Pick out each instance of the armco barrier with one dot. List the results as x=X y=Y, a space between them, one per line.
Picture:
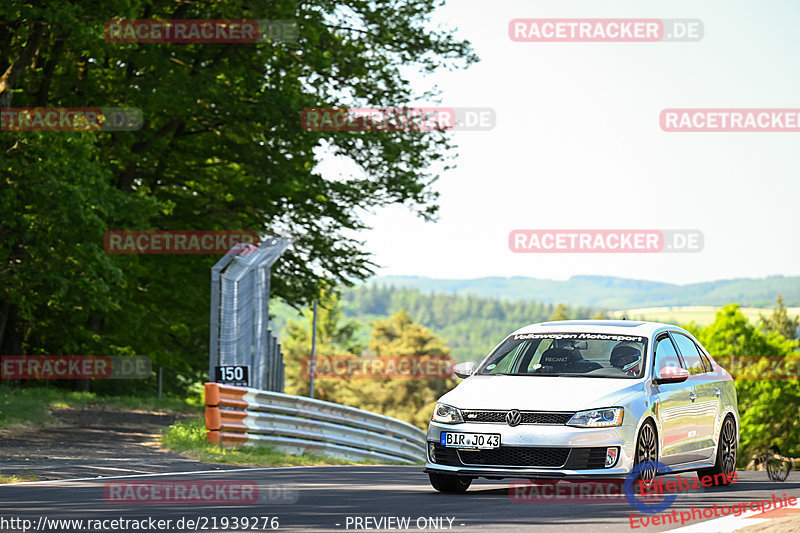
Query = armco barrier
x=239 y=416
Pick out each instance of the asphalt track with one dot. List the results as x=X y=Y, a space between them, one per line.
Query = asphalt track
x=333 y=498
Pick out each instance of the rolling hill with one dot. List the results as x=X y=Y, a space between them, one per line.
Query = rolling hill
x=612 y=292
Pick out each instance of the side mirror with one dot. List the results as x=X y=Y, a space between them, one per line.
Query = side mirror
x=464 y=370
x=671 y=374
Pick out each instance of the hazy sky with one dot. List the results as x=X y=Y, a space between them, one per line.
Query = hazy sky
x=578 y=145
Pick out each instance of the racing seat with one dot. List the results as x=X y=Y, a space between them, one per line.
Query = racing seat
x=567 y=361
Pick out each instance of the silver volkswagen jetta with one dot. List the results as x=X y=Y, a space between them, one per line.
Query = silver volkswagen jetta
x=586 y=398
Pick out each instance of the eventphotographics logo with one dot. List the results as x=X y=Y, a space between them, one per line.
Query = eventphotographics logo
x=605 y=30
x=246 y=31
x=607 y=241
x=71 y=119
x=687 y=484
x=398 y=119
x=693 y=513
x=75 y=367
x=383 y=367
x=197 y=492
x=730 y=120
x=644 y=502
x=179 y=242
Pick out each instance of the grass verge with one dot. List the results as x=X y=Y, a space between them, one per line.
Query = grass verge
x=15 y=479
x=32 y=406
x=188 y=437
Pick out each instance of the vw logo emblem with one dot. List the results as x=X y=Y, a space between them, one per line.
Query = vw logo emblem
x=513 y=418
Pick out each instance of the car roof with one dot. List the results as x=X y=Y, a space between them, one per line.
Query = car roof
x=620 y=327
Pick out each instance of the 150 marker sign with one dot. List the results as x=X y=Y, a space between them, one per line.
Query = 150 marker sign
x=232 y=375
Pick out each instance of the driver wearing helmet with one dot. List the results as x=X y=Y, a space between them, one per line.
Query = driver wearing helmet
x=627 y=356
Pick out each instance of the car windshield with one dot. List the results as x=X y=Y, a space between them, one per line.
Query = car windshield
x=595 y=355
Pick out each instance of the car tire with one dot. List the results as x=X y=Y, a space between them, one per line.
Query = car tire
x=450 y=484
x=725 y=463
x=646 y=451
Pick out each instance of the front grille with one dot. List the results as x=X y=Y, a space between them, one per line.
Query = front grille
x=516 y=456
x=552 y=418
x=569 y=458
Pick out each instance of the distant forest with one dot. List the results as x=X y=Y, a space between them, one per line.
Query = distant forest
x=613 y=293
x=471 y=325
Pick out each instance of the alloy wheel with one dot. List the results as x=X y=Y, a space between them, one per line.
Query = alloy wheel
x=728 y=443
x=647 y=454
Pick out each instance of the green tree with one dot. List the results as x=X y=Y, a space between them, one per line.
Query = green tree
x=222 y=147
x=769 y=409
x=335 y=337
x=780 y=322
x=410 y=400
x=559 y=313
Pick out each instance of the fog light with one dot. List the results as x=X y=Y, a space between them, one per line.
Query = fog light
x=611 y=456
x=432 y=452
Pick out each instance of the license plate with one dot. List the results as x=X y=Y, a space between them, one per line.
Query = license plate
x=478 y=441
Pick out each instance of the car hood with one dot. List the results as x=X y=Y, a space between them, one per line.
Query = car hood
x=528 y=393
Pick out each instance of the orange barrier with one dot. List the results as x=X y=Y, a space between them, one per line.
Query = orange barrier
x=224 y=438
x=217 y=418
x=225 y=395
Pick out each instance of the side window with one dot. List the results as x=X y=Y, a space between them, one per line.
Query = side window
x=706 y=358
x=665 y=354
x=691 y=355
x=706 y=362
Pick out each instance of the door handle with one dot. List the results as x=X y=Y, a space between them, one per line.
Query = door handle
x=693 y=397
x=716 y=391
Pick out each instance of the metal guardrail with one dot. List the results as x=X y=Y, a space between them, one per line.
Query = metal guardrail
x=237 y=416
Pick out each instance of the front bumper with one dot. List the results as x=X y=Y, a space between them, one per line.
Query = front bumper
x=533 y=450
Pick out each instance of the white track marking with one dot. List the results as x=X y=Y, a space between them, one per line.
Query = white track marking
x=221 y=470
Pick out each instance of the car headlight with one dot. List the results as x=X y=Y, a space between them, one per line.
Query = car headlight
x=446 y=414
x=598 y=418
